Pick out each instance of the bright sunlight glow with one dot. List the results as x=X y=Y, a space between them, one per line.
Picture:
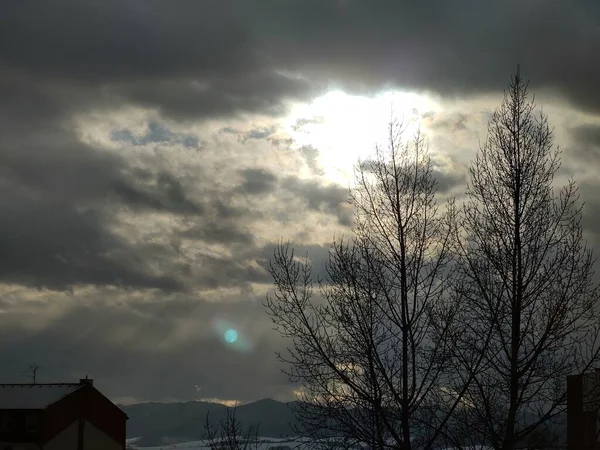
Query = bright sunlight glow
x=344 y=128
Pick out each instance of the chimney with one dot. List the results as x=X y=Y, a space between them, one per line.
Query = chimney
x=86 y=380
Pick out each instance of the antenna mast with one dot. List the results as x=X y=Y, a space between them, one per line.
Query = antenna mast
x=34 y=369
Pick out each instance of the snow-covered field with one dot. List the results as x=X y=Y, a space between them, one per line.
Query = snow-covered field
x=264 y=444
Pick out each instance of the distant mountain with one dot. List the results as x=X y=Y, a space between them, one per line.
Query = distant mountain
x=161 y=423
x=186 y=421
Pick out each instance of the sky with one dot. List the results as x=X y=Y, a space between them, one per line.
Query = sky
x=153 y=153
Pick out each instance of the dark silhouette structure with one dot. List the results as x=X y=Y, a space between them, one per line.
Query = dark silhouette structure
x=65 y=416
x=583 y=424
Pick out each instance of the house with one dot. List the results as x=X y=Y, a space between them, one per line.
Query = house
x=583 y=411
x=59 y=416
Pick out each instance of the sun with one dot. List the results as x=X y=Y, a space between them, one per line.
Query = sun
x=344 y=127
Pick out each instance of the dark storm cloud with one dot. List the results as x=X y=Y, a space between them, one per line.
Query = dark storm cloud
x=591 y=212
x=312 y=194
x=60 y=198
x=219 y=232
x=258 y=181
x=182 y=98
x=317 y=254
x=143 y=364
x=54 y=245
x=215 y=272
x=329 y=199
x=457 y=48
x=165 y=193
x=197 y=60
x=115 y=40
x=201 y=59
x=56 y=231
x=587 y=135
x=448 y=181
x=585 y=145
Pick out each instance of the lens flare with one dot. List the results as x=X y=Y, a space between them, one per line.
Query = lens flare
x=231 y=336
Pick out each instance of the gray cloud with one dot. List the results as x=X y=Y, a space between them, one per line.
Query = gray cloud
x=258 y=181
x=301 y=123
x=448 y=181
x=219 y=232
x=120 y=41
x=312 y=194
x=330 y=199
x=53 y=245
x=259 y=133
x=318 y=255
x=310 y=155
x=591 y=212
x=156 y=133
x=166 y=193
x=56 y=231
x=453 y=123
x=459 y=48
x=195 y=97
x=587 y=135
x=213 y=58
x=61 y=199
x=583 y=148
x=152 y=360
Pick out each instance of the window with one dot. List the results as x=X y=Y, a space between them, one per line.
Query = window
x=8 y=423
x=31 y=422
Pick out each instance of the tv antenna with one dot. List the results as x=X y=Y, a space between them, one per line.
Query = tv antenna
x=33 y=368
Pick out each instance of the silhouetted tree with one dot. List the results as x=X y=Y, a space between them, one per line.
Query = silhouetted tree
x=229 y=434
x=371 y=351
x=529 y=305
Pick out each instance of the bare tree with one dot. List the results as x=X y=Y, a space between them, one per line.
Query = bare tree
x=371 y=351
x=229 y=434
x=529 y=304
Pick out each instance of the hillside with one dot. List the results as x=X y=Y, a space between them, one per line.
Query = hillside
x=160 y=423
x=185 y=421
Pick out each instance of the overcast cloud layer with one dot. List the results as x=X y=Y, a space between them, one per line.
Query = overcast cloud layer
x=146 y=171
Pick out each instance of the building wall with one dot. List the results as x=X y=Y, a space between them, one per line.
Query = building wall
x=581 y=421
x=65 y=440
x=18 y=425
x=88 y=403
x=18 y=446
x=62 y=425
x=94 y=439
x=104 y=415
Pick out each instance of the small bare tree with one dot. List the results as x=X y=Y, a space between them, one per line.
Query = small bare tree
x=229 y=434
x=529 y=304
x=371 y=351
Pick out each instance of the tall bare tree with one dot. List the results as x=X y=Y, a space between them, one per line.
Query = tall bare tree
x=529 y=303
x=370 y=348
